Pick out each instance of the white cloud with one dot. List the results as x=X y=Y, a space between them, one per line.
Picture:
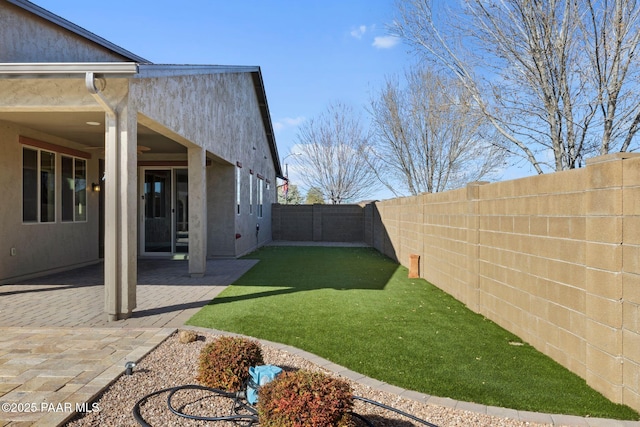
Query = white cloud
x=385 y=42
x=287 y=122
x=359 y=32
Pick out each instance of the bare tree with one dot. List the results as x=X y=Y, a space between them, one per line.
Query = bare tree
x=332 y=147
x=429 y=135
x=556 y=78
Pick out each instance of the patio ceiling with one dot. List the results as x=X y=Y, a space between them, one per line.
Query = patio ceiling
x=73 y=127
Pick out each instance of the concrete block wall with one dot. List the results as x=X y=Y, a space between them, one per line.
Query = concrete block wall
x=603 y=276
x=318 y=223
x=553 y=258
x=368 y=218
x=292 y=222
x=532 y=262
x=630 y=281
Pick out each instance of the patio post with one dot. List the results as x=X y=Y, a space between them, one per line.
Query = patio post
x=197 y=161
x=120 y=257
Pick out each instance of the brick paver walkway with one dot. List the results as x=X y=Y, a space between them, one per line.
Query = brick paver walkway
x=58 y=352
x=166 y=295
x=48 y=374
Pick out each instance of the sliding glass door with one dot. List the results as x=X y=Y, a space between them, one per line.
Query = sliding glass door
x=165 y=202
x=181 y=218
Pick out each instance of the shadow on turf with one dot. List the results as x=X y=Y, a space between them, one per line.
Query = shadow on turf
x=377 y=282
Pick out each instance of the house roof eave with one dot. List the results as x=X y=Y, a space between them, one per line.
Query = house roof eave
x=174 y=70
x=26 y=70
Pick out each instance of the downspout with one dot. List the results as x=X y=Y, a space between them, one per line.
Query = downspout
x=90 y=83
x=113 y=294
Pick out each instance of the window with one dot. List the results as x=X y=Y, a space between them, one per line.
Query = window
x=80 y=200
x=39 y=180
x=29 y=185
x=74 y=189
x=250 y=192
x=38 y=185
x=267 y=186
x=260 y=195
x=47 y=186
x=238 y=178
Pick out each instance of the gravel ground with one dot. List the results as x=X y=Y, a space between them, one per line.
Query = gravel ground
x=173 y=363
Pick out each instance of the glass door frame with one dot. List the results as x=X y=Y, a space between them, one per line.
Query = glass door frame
x=172 y=212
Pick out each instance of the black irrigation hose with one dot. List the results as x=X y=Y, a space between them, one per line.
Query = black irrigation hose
x=251 y=419
x=172 y=390
x=237 y=417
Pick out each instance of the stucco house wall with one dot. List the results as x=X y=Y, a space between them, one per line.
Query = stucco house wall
x=221 y=207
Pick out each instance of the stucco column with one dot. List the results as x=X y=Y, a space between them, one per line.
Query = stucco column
x=120 y=257
x=197 y=161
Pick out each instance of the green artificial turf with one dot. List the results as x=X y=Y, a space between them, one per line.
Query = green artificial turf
x=357 y=308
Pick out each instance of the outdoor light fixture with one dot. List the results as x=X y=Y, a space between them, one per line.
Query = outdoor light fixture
x=95 y=187
x=129 y=368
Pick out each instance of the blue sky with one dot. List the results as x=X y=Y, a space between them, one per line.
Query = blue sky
x=311 y=53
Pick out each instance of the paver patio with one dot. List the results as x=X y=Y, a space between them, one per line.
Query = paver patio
x=57 y=350
x=47 y=374
x=166 y=295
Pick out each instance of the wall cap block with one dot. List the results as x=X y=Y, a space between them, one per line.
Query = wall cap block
x=611 y=157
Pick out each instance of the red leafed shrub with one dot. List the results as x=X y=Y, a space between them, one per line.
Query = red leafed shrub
x=225 y=362
x=305 y=399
